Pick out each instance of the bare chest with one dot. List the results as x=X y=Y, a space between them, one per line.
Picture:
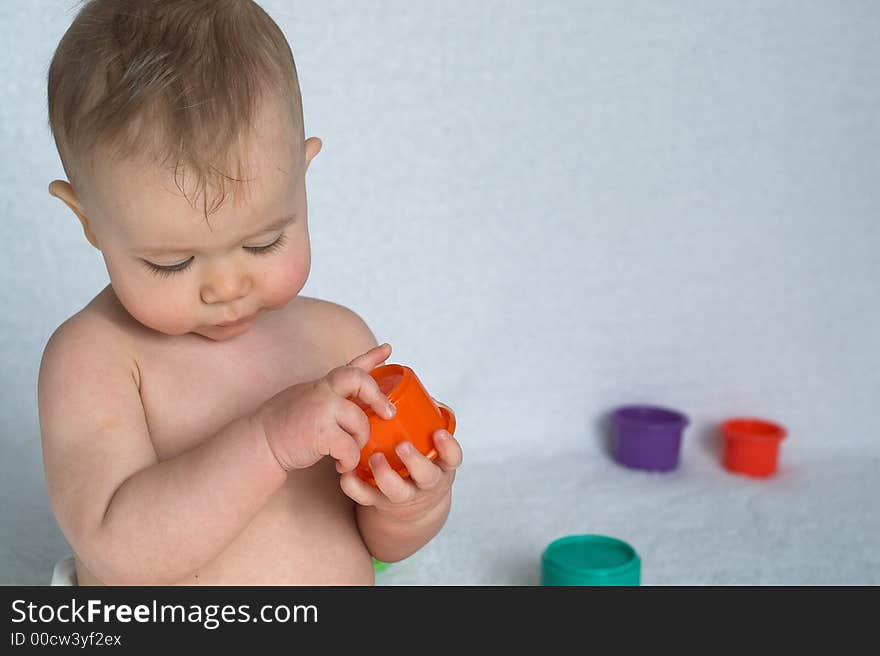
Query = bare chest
x=193 y=388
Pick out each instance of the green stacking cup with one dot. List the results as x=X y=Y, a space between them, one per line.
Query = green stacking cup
x=590 y=560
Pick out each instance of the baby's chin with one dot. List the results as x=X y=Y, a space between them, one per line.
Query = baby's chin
x=214 y=333
x=223 y=333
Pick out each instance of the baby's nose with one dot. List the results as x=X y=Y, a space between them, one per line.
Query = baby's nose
x=226 y=286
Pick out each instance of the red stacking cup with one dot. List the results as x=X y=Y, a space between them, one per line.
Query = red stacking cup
x=418 y=416
x=751 y=446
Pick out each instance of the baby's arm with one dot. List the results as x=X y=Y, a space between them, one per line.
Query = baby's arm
x=130 y=518
x=393 y=535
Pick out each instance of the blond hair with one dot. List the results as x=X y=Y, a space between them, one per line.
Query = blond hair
x=180 y=80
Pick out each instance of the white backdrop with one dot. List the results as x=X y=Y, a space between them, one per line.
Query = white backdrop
x=549 y=209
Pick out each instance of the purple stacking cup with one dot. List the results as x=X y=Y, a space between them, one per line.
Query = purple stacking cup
x=647 y=437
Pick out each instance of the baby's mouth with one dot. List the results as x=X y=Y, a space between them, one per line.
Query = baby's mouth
x=239 y=322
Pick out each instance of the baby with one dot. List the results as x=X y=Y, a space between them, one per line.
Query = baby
x=187 y=410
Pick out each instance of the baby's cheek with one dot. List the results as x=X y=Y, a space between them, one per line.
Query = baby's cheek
x=287 y=280
x=159 y=309
x=170 y=317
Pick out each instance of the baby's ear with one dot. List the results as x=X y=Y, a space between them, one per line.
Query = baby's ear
x=313 y=147
x=64 y=192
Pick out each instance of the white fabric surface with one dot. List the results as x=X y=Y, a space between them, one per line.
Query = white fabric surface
x=64 y=572
x=814 y=523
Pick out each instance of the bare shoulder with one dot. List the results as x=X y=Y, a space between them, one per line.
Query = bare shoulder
x=88 y=373
x=87 y=341
x=345 y=330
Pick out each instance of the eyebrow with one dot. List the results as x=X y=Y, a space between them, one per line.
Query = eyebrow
x=152 y=252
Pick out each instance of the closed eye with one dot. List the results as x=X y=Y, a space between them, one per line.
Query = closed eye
x=164 y=271
x=268 y=248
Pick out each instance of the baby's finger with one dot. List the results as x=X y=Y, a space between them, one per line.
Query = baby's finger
x=359 y=490
x=372 y=358
x=341 y=447
x=354 y=383
x=424 y=473
x=389 y=482
x=449 y=450
x=351 y=419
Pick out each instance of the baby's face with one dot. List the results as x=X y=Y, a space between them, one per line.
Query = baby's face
x=178 y=273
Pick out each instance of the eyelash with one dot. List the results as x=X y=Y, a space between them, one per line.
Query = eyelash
x=166 y=271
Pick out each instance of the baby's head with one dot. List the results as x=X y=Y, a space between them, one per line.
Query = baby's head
x=179 y=126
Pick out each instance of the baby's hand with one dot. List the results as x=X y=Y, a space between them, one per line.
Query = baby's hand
x=408 y=498
x=306 y=422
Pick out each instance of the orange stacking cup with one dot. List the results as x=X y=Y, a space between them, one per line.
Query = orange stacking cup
x=751 y=446
x=418 y=417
